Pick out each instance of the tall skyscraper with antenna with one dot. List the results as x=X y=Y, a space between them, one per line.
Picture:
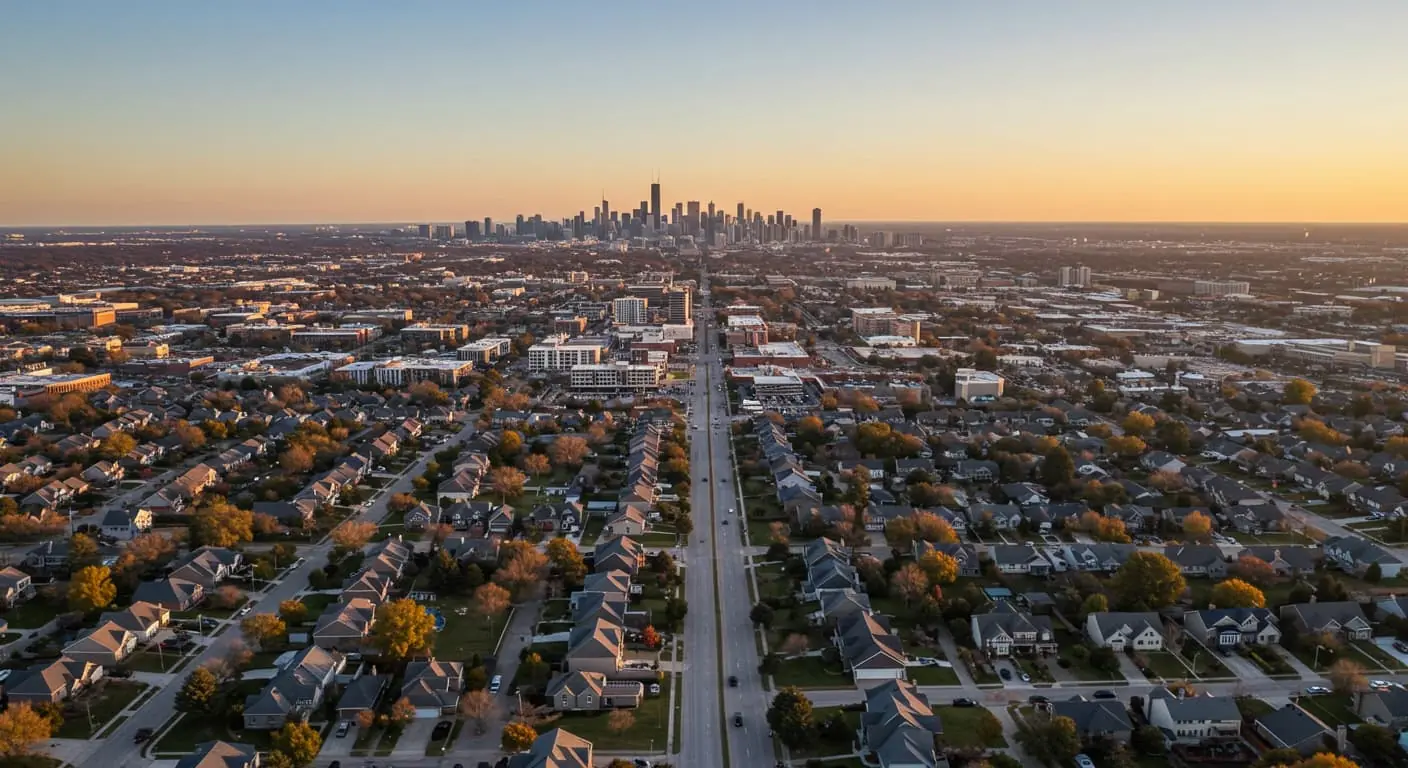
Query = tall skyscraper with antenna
x=655 y=206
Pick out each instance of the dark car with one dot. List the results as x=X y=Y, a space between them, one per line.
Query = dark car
x=964 y=703
x=1038 y=699
x=733 y=681
x=1005 y=673
x=738 y=719
x=442 y=729
x=142 y=735
x=1103 y=694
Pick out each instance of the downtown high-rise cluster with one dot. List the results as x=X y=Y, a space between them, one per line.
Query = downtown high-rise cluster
x=686 y=222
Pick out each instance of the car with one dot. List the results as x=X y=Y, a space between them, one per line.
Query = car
x=733 y=681
x=964 y=703
x=738 y=719
x=441 y=730
x=1005 y=673
x=641 y=762
x=1380 y=685
x=1400 y=646
x=1084 y=761
x=1104 y=694
x=1038 y=699
x=496 y=683
x=704 y=479
x=1026 y=678
x=926 y=661
x=725 y=521
x=1316 y=690
x=142 y=735
x=244 y=611
x=343 y=727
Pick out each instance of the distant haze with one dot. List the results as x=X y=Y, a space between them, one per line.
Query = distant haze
x=164 y=112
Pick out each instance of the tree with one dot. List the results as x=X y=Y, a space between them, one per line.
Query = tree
x=353 y=534
x=1057 y=467
x=1325 y=760
x=790 y=717
x=91 y=589
x=522 y=570
x=534 y=669
x=1346 y=676
x=900 y=533
x=620 y=721
x=1377 y=744
x=1137 y=424
x=1096 y=603
x=650 y=638
x=259 y=628
x=1298 y=392
x=82 y=550
x=403 y=628
x=568 y=451
x=1253 y=570
x=507 y=482
x=517 y=736
x=478 y=706
x=296 y=460
x=21 y=727
x=762 y=615
x=199 y=693
x=401 y=503
x=402 y=711
x=1235 y=593
x=932 y=528
x=1197 y=525
x=910 y=583
x=564 y=556
x=1374 y=573
x=1174 y=436
x=299 y=741
x=117 y=445
x=293 y=611
x=1147 y=740
x=1149 y=579
x=939 y=567
x=536 y=464
x=221 y=524
x=510 y=443
x=191 y=437
x=1051 y=740
x=491 y=600
x=1126 y=446
x=1276 y=758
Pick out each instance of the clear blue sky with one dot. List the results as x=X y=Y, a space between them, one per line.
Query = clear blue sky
x=167 y=112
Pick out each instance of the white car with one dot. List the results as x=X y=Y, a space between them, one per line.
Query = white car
x=1084 y=761
x=1316 y=690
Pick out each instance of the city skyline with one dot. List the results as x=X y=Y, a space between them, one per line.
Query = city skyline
x=168 y=114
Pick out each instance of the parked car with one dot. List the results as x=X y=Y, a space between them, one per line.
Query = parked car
x=496 y=683
x=442 y=729
x=733 y=681
x=964 y=703
x=738 y=719
x=1005 y=673
x=343 y=727
x=1104 y=694
x=1026 y=678
x=142 y=735
x=1084 y=761
x=1316 y=690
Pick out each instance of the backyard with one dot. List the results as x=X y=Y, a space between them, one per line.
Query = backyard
x=466 y=631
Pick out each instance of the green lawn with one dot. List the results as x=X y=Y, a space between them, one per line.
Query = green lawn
x=592 y=530
x=103 y=704
x=556 y=609
x=1334 y=709
x=648 y=733
x=821 y=746
x=316 y=604
x=469 y=634
x=30 y=615
x=811 y=672
x=961 y=727
x=1166 y=665
x=933 y=676
x=151 y=661
x=1377 y=656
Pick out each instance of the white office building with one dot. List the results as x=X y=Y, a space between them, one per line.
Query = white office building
x=556 y=353
x=971 y=384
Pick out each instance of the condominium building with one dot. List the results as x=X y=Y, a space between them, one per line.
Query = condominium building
x=1075 y=277
x=615 y=377
x=556 y=353
x=403 y=371
x=971 y=384
x=1221 y=287
x=425 y=334
x=62 y=317
x=883 y=321
x=631 y=310
x=486 y=350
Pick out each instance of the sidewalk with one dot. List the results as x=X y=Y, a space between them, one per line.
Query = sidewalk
x=950 y=647
x=1299 y=666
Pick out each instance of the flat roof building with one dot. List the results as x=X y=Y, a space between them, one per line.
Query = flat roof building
x=973 y=385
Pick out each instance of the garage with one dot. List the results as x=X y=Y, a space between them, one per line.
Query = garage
x=424 y=713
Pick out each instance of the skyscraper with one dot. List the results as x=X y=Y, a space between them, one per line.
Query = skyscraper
x=488 y=227
x=816 y=225
x=680 y=305
x=655 y=206
x=692 y=218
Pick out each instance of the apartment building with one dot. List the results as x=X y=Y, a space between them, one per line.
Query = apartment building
x=558 y=354
x=615 y=377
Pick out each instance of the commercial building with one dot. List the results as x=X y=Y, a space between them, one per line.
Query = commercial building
x=746 y=330
x=786 y=354
x=816 y=225
x=1331 y=352
x=869 y=284
x=973 y=385
x=342 y=337
x=679 y=305
x=485 y=351
x=578 y=278
x=388 y=318
x=403 y=371
x=426 y=335
x=1221 y=288
x=20 y=389
x=62 y=317
x=781 y=384
x=286 y=365
x=883 y=321
x=556 y=353
x=615 y=377
x=630 y=311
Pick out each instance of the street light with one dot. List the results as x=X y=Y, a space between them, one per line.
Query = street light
x=1318 y=648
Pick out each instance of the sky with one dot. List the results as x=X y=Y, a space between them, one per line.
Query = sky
x=268 y=111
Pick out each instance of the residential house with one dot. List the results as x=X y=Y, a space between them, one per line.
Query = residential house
x=966 y=555
x=433 y=687
x=106 y=645
x=221 y=754
x=1022 y=559
x=1099 y=557
x=1384 y=500
x=388 y=558
x=829 y=574
x=1291 y=727
x=173 y=594
x=596 y=646
x=1006 y=630
x=345 y=626
x=1193 y=719
x=1288 y=560
x=1138 y=631
x=555 y=749
x=420 y=516
x=16 y=587
x=126 y=524
x=295 y=692
x=551 y=519
x=625 y=522
x=208 y=566
x=622 y=553
x=104 y=473
x=369 y=585
x=975 y=471
x=1387 y=708
x=1343 y=618
x=144 y=620
x=52 y=681
x=1137 y=518
x=363 y=693
x=839 y=605
x=1097 y=719
x=1355 y=555
x=50 y=555
x=591 y=691
x=1161 y=461
x=1197 y=560
x=1232 y=627
x=899 y=727
x=869 y=649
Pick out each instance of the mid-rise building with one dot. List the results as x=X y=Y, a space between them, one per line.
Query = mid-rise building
x=1075 y=277
x=869 y=284
x=485 y=351
x=679 y=303
x=632 y=310
x=1221 y=287
x=20 y=389
x=973 y=385
x=65 y=317
x=404 y=371
x=578 y=278
x=556 y=353
x=427 y=335
x=615 y=377
x=444 y=231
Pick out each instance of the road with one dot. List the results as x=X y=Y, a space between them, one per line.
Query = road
x=118 y=748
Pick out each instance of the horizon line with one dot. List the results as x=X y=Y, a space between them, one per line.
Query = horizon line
x=969 y=222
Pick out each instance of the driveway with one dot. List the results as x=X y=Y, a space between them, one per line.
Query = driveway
x=1241 y=667
x=416 y=737
x=339 y=747
x=1130 y=670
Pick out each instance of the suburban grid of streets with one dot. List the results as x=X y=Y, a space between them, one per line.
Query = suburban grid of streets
x=720 y=640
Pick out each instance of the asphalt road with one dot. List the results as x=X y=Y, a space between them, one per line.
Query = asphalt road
x=118 y=748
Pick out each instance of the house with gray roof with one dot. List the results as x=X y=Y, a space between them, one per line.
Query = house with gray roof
x=1291 y=727
x=1193 y=719
x=1140 y=631
x=295 y=692
x=363 y=693
x=52 y=681
x=592 y=691
x=1197 y=560
x=1100 y=718
x=969 y=562
x=840 y=604
x=898 y=726
x=1006 y=630
x=433 y=687
x=1287 y=560
x=598 y=645
x=1342 y=618
x=868 y=648
x=557 y=748
x=1387 y=708
x=1099 y=557
x=1232 y=627
x=1354 y=555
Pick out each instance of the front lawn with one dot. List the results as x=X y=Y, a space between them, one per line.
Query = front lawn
x=970 y=727
x=152 y=661
x=932 y=676
x=468 y=634
x=316 y=604
x=648 y=733
x=1163 y=664
x=30 y=615
x=102 y=704
x=1334 y=709
x=811 y=672
x=1378 y=657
